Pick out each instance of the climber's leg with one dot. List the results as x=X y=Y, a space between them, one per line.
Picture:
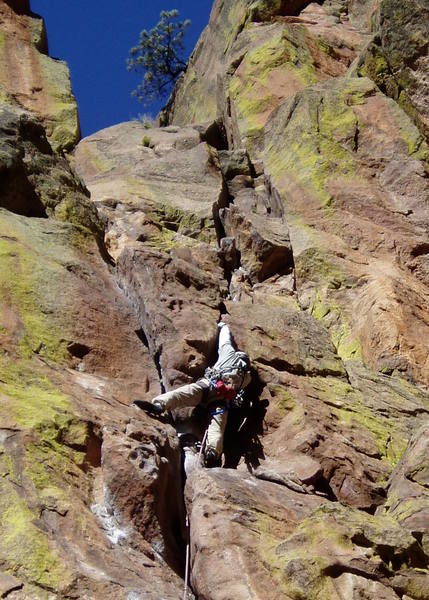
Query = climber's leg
x=215 y=433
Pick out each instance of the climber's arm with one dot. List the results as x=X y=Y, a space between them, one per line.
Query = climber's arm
x=224 y=335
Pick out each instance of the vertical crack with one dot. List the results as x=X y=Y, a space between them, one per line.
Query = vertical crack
x=141 y=334
x=356 y=137
x=142 y=337
x=318 y=111
x=157 y=361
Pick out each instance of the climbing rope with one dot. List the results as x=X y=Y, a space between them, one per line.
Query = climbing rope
x=185 y=589
x=188 y=547
x=203 y=443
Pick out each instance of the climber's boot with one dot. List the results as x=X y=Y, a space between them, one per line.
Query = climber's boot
x=211 y=459
x=151 y=408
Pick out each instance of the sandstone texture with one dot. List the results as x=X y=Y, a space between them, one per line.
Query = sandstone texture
x=286 y=194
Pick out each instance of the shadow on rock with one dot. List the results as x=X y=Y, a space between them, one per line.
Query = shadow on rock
x=245 y=429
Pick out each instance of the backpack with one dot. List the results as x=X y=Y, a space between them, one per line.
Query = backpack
x=237 y=373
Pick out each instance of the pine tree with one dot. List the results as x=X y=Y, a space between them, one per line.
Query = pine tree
x=160 y=56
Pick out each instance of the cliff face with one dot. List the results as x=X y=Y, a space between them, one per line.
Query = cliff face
x=288 y=194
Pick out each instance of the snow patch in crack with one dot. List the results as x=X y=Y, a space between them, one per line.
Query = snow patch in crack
x=108 y=520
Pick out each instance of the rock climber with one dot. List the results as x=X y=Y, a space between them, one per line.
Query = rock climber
x=221 y=385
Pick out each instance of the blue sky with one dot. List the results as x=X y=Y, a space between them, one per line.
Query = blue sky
x=94 y=38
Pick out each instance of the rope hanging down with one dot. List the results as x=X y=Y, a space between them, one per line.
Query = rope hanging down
x=185 y=589
x=188 y=550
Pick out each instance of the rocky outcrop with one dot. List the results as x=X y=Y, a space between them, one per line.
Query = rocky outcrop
x=35 y=181
x=264 y=53
x=397 y=58
x=66 y=383
x=163 y=182
x=291 y=203
x=29 y=78
x=325 y=159
x=344 y=179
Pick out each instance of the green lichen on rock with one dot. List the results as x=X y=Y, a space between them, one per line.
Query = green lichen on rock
x=50 y=458
x=25 y=284
x=76 y=209
x=347 y=345
x=353 y=409
x=34 y=399
x=202 y=108
x=38 y=182
x=316 y=265
x=374 y=65
x=395 y=60
x=267 y=549
x=405 y=509
x=234 y=17
x=281 y=61
x=329 y=312
x=178 y=228
x=287 y=404
x=51 y=462
x=334 y=535
x=283 y=565
x=24 y=547
x=38 y=36
x=409 y=133
x=62 y=120
x=185 y=223
x=311 y=140
x=166 y=240
x=39 y=83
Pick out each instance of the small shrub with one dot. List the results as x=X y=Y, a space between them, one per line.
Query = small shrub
x=146 y=141
x=146 y=120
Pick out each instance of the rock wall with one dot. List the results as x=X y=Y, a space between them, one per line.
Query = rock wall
x=287 y=195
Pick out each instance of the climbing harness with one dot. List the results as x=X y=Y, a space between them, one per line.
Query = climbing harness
x=219 y=410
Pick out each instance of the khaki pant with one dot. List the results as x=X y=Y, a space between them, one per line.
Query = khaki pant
x=191 y=395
